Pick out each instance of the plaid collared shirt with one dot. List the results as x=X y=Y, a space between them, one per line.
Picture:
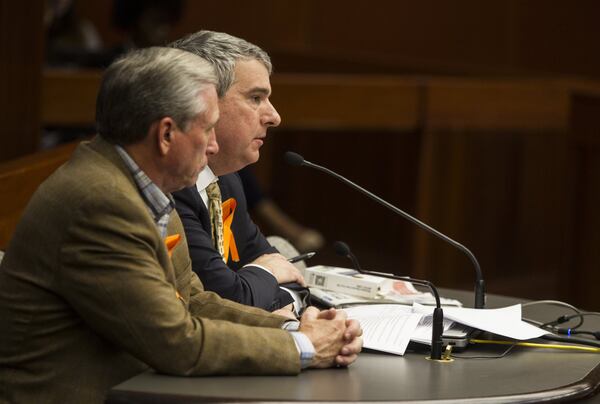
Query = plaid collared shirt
x=159 y=204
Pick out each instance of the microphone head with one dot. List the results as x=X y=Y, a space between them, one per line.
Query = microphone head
x=293 y=159
x=341 y=248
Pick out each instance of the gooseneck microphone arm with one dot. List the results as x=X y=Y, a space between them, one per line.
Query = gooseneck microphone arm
x=437 y=329
x=297 y=160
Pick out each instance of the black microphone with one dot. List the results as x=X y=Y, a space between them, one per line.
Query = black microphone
x=297 y=160
x=343 y=249
x=437 y=329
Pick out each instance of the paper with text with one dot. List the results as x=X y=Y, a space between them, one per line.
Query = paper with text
x=423 y=331
x=505 y=321
x=386 y=327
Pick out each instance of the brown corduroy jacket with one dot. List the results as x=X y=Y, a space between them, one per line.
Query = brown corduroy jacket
x=89 y=296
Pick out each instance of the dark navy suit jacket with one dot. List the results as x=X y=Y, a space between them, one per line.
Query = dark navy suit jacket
x=251 y=285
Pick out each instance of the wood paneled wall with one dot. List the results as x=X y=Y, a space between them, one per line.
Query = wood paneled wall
x=21 y=49
x=489 y=159
x=582 y=259
x=399 y=36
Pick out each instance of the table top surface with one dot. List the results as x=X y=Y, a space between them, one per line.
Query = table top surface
x=524 y=375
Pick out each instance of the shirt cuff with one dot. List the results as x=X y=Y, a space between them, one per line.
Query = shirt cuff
x=261 y=267
x=306 y=350
x=297 y=301
x=291 y=325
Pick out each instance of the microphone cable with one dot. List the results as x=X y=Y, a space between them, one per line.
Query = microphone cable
x=572 y=340
x=565 y=334
x=553 y=303
x=594 y=349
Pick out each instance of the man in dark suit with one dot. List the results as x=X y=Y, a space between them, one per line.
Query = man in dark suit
x=96 y=285
x=243 y=281
x=254 y=276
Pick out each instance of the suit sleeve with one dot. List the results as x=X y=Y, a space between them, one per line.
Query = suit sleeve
x=112 y=276
x=251 y=285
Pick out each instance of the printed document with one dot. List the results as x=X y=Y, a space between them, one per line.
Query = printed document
x=506 y=321
x=390 y=327
x=386 y=327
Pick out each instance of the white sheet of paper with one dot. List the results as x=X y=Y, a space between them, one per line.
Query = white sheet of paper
x=423 y=331
x=505 y=321
x=386 y=327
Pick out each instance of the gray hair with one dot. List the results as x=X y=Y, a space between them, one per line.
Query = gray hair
x=147 y=85
x=222 y=51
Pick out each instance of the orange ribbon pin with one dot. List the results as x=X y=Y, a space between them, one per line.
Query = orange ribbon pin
x=229 y=245
x=171 y=242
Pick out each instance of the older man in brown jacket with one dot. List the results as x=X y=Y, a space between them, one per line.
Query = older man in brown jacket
x=96 y=285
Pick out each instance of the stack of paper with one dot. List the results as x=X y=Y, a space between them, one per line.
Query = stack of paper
x=505 y=321
x=341 y=287
x=386 y=327
x=389 y=328
x=396 y=292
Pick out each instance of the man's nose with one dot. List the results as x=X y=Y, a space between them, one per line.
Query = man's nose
x=212 y=147
x=271 y=116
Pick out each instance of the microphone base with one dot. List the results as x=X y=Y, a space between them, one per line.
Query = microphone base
x=446 y=356
x=443 y=360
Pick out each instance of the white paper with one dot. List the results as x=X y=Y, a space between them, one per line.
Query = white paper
x=422 y=298
x=424 y=329
x=505 y=321
x=406 y=295
x=386 y=327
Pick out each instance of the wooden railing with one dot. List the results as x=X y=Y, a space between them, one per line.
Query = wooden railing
x=333 y=102
x=18 y=181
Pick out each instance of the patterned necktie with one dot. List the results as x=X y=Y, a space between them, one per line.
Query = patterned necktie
x=215 y=210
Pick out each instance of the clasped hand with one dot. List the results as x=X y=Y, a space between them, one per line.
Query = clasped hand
x=337 y=340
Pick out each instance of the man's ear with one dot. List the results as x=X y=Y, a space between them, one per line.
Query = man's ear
x=164 y=134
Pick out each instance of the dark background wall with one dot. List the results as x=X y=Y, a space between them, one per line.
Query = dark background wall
x=465 y=36
x=460 y=112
